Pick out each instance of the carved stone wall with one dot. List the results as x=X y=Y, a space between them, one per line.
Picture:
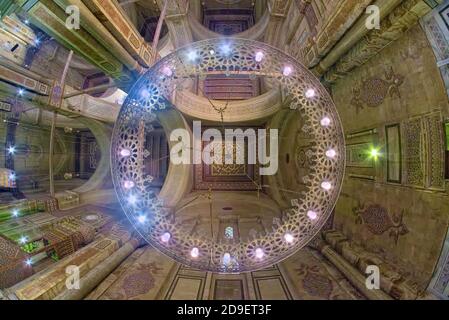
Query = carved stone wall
x=404 y=222
x=424 y=151
x=436 y=26
x=146 y=274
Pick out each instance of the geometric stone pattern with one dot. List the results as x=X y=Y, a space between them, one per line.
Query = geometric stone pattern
x=435 y=154
x=413 y=141
x=152 y=93
x=424 y=150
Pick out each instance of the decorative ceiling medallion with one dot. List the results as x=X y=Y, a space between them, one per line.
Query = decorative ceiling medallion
x=221 y=176
x=151 y=94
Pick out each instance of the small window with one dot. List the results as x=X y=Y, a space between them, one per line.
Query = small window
x=229 y=232
x=14 y=48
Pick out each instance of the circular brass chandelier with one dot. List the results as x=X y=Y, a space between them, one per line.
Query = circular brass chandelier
x=152 y=93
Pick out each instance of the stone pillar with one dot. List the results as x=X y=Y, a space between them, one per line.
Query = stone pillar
x=278 y=12
x=177 y=22
x=259 y=9
x=356 y=278
x=352 y=261
x=99 y=273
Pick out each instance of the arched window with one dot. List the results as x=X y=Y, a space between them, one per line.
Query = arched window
x=229 y=232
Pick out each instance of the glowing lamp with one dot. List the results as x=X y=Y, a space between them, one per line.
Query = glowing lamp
x=312 y=215
x=259 y=253
x=226 y=259
x=142 y=219
x=287 y=71
x=165 y=237
x=331 y=153
x=226 y=49
x=167 y=71
x=128 y=184
x=132 y=199
x=374 y=153
x=325 y=122
x=326 y=185
x=195 y=252
x=125 y=152
x=259 y=56
x=192 y=55
x=288 y=237
x=310 y=93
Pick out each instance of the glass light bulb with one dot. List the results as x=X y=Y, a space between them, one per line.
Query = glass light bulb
x=195 y=252
x=165 y=237
x=192 y=55
x=287 y=71
x=125 y=152
x=226 y=259
x=259 y=253
x=310 y=93
x=128 y=184
x=226 y=49
x=132 y=199
x=326 y=185
x=312 y=214
x=325 y=122
x=331 y=153
x=288 y=237
x=167 y=71
x=259 y=56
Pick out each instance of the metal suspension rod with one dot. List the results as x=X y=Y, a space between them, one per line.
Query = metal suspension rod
x=158 y=30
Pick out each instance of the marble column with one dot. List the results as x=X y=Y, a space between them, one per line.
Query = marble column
x=94 y=277
x=354 y=276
